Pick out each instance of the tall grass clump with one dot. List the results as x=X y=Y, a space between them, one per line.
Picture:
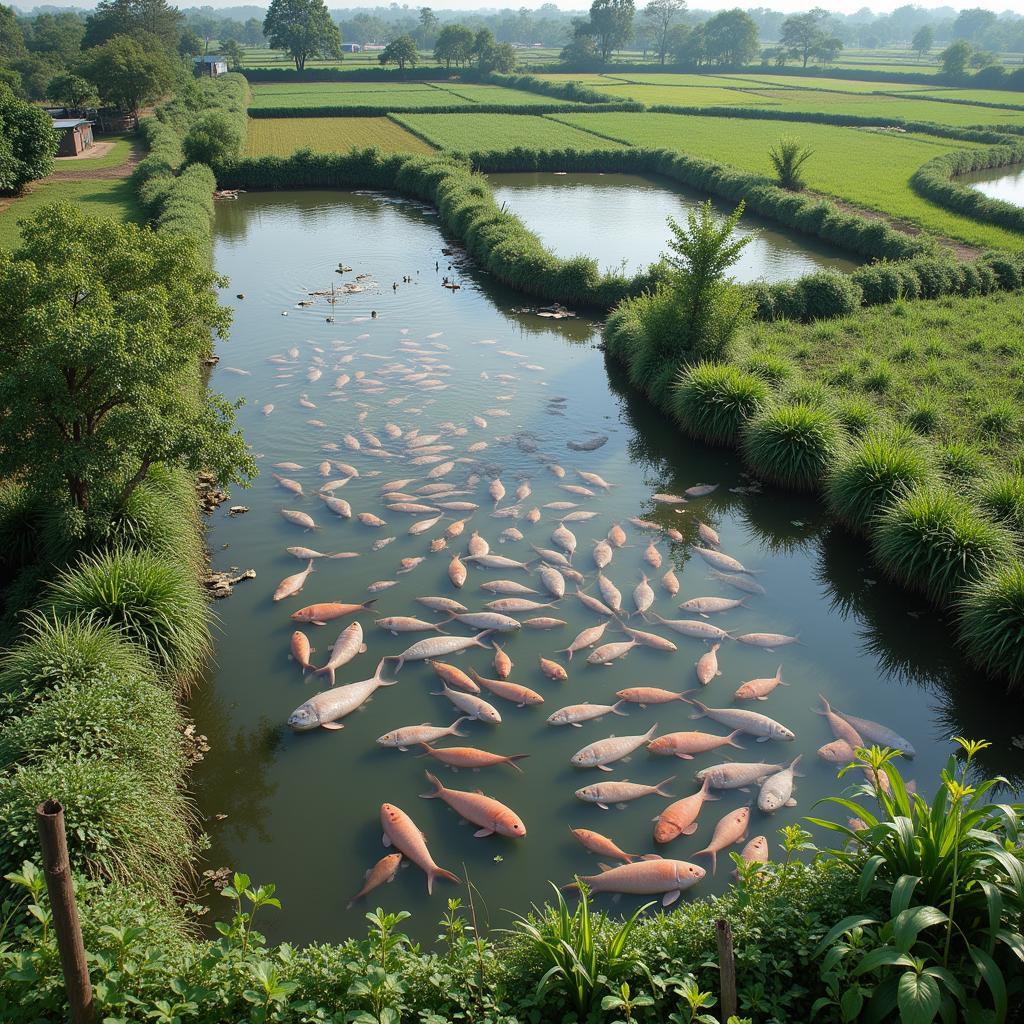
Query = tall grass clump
x=1001 y=495
x=934 y=541
x=20 y=515
x=714 y=401
x=991 y=622
x=792 y=445
x=788 y=156
x=153 y=600
x=872 y=472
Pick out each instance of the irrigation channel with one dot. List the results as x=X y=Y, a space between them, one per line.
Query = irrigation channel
x=619 y=219
x=509 y=394
x=1006 y=183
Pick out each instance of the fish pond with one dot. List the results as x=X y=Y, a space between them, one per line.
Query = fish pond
x=399 y=378
x=619 y=220
x=1006 y=183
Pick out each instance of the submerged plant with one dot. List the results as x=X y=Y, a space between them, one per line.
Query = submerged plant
x=788 y=156
x=715 y=400
x=792 y=445
x=935 y=541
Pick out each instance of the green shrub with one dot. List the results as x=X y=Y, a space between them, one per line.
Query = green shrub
x=215 y=139
x=857 y=415
x=960 y=461
x=936 y=542
x=1001 y=495
x=155 y=601
x=826 y=294
x=991 y=621
x=20 y=516
x=872 y=472
x=773 y=370
x=792 y=445
x=787 y=157
x=714 y=401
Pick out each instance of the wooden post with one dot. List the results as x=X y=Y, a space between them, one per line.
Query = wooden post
x=726 y=969
x=57 y=869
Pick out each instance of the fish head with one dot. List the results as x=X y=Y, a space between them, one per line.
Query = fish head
x=388 y=739
x=780 y=732
x=665 y=831
x=768 y=802
x=837 y=752
x=743 y=816
x=588 y=793
x=303 y=718
x=745 y=691
x=579 y=760
x=689 y=874
x=513 y=827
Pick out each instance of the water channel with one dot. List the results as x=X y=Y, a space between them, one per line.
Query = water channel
x=1006 y=183
x=619 y=219
x=511 y=393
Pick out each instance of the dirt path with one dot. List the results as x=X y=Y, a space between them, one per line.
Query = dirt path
x=961 y=250
x=78 y=169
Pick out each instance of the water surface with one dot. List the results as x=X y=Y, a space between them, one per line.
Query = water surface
x=620 y=220
x=1006 y=183
x=301 y=809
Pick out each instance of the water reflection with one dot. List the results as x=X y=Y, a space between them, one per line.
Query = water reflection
x=1006 y=183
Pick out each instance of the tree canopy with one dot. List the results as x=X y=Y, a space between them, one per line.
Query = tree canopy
x=27 y=142
x=610 y=24
x=401 y=51
x=454 y=45
x=803 y=34
x=140 y=18
x=128 y=72
x=730 y=38
x=103 y=322
x=72 y=91
x=662 y=16
x=303 y=28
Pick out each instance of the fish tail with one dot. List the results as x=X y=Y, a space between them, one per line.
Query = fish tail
x=512 y=758
x=325 y=671
x=477 y=638
x=434 y=781
x=732 y=739
x=649 y=735
x=708 y=852
x=370 y=603
x=796 y=760
x=616 y=711
x=664 y=782
x=826 y=706
x=436 y=872
x=778 y=673
x=377 y=674
x=570 y=886
x=454 y=727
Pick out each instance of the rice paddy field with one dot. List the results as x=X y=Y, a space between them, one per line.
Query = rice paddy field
x=386 y=95
x=952 y=369
x=466 y=133
x=868 y=168
x=683 y=95
x=283 y=136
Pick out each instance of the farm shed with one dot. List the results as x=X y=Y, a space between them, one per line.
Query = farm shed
x=209 y=66
x=75 y=134
x=351 y=48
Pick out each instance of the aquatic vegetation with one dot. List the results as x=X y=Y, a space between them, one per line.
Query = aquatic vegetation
x=792 y=445
x=155 y=602
x=935 y=541
x=873 y=471
x=714 y=401
x=991 y=621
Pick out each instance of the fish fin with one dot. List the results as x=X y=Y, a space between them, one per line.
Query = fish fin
x=363 y=648
x=650 y=732
x=403 y=749
x=646 y=856
x=685 y=757
x=604 y=807
x=576 y=725
x=760 y=698
x=481 y=833
x=434 y=781
x=333 y=726
x=762 y=739
x=604 y=768
x=318 y=622
x=743 y=789
x=669 y=898
x=790 y=802
x=690 y=829
x=370 y=603
x=385 y=839
x=512 y=758
x=604 y=867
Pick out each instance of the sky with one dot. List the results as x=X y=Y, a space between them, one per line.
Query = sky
x=786 y=6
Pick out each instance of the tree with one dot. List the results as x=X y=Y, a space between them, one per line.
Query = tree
x=610 y=24
x=401 y=51
x=133 y=18
x=27 y=143
x=580 y=54
x=454 y=45
x=232 y=50
x=127 y=73
x=827 y=49
x=58 y=34
x=688 y=46
x=190 y=45
x=215 y=139
x=923 y=41
x=731 y=38
x=429 y=26
x=104 y=328
x=802 y=33
x=973 y=24
x=72 y=91
x=252 y=32
x=662 y=15
x=303 y=29
x=955 y=59
x=12 y=41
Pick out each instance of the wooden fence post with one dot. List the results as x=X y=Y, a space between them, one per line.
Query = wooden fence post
x=726 y=969
x=57 y=869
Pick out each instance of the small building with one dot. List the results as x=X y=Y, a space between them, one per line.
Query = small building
x=209 y=66
x=75 y=135
x=351 y=48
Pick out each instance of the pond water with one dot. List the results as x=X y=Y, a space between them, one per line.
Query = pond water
x=1006 y=183
x=301 y=809
x=619 y=219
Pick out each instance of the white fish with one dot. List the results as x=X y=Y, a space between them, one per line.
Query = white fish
x=720 y=560
x=643 y=596
x=751 y=722
x=777 y=790
x=605 y=793
x=413 y=735
x=608 y=653
x=694 y=628
x=603 y=752
x=438 y=647
x=737 y=774
x=470 y=705
x=345 y=648
x=769 y=641
x=324 y=709
x=586 y=638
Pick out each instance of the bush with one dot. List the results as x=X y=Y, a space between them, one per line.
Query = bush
x=827 y=294
x=960 y=461
x=27 y=142
x=714 y=401
x=991 y=622
x=872 y=472
x=1001 y=496
x=792 y=445
x=215 y=139
x=154 y=600
x=936 y=542
x=20 y=515
x=788 y=156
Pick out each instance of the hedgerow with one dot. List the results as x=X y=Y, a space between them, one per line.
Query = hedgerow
x=379 y=110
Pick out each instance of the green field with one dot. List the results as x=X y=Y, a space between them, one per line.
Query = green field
x=1015 y=99
x=466 y=133
x=283 y=136
x=962 y=359
x=868 y=168
x=103 y=197
x=687 y=96
x=827 y=84
x=386 y=95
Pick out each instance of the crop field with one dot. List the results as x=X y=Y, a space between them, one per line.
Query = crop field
x=283 y=136
x=386 y=95
x=980 y=95
x=465 y=133
x=826 y=84
x=952 y=368
x=681 y=95
x=865 y=167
